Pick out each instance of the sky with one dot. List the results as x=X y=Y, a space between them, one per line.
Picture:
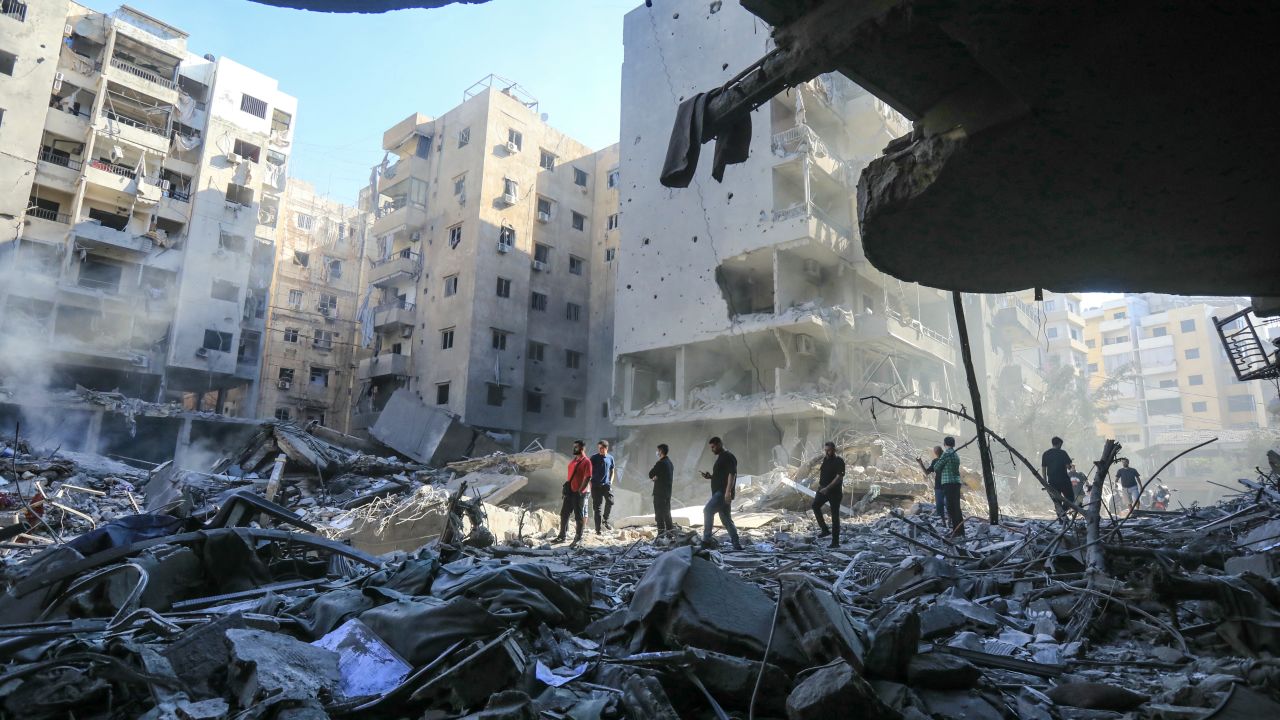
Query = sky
x=357 y=75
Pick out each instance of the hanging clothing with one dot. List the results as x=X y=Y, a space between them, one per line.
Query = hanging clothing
x=733 y=144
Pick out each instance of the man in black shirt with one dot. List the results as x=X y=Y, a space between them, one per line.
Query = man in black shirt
x=1130 y=481
x=829 y=490
x=661 y=475
x=724 y=480
x=1054 y=464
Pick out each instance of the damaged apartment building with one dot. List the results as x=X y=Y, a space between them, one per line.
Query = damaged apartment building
x=490 y=272
x=139 y=247
x=309 y=342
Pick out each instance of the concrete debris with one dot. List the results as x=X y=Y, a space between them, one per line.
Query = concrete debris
x=379 y=587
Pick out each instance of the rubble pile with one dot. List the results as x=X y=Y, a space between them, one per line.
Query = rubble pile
x=217 y=602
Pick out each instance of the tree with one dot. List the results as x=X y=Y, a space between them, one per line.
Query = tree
x=1067 y=408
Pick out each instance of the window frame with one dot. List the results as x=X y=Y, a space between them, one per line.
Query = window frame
x=503 y=288
x=447 y=337
x=450 y=285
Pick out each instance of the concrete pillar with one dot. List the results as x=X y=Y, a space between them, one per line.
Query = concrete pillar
x=681 y=377
x=628 y=384
x=93 y=435
x=183 y=443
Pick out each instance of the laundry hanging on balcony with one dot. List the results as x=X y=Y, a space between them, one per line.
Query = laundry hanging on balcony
x=364 y=316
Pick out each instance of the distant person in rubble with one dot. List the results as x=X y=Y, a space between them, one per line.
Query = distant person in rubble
x=948 y=469
x=1130 y=483
x=575 y=491
x=1160 y=499
x=724 y=483
x=1054 y=464
x=830 y=490
x=662 y=474
x=932 y=469
x=1079 y=483
x=603 y=473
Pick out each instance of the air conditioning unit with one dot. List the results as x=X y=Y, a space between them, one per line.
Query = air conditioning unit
x=284 y=384
x=165 y=185
x=415 y=236
x=813 y=268
x=513 y=148
x=539 y=266
x=805 y=345
x=234 y=159
x=504 y=247
x=57 y=81
x=67 y=30
x=544 y=217
x=141 y=361
x=324 y=310
x=202 y=352
x=406 y=331
x=508 y=199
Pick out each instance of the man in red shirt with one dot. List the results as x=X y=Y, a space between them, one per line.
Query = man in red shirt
x=574 y=491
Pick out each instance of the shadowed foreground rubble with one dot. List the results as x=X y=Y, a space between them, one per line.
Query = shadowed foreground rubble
x=210 y=601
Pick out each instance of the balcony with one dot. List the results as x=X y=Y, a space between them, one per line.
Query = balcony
x=394 y=316
x=403 y=266
x=14 y=9
x=1167 y=368
x=77 y=69
x=67 y=124
x=1121 y=348
x=47 y=226
x=94 y=234
x=1156 y=342
x=804 y=140
x=892 y=334
x=404 y=169
x=1022 y=374
x=1113 y=325
x=384 y=365
x=1018 y=322
x=143 y=80
x=807 y=220
x=399 y=216
x=138 y=132
x=57 y=170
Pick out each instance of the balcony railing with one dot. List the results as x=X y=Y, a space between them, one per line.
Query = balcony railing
x=405 y=254
x=49 y=156
x=179 y=195
x=917 y=325
x=144 y=74
x=14 y=9
x=117 y=117
x=106 y=286
x=120 y=170
x=46 y=214
x=404 y=304
x=803 y=209
x=804 y=139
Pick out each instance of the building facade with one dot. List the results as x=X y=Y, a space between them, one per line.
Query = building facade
x=490 y=265
x=309 y=345
x=746 y=309
x=142 y=181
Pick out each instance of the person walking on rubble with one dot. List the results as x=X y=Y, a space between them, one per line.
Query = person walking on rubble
x=1078 y=483
x=948 y=468
x=932 y=469
x=1053 y=464
x=1130 y=483
x=662 y=475
x=575 y=491
x=830 y=489
x=603 y=473
x=724 y=482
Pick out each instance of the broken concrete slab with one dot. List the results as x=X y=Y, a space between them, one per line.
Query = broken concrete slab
x=834 y=691
x=940 y=671
x=894 y=640
x=427 y=433
x=1097 y=696
x=270 y=667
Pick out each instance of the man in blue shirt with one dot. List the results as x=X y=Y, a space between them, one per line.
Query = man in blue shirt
x=603 y=474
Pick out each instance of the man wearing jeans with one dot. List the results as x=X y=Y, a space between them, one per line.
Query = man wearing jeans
x=830 y=490
x=603 y=474
x=574 y=492
x=948 y=468
x=724 y=480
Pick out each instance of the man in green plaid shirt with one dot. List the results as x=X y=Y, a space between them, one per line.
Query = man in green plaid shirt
x=948 y=469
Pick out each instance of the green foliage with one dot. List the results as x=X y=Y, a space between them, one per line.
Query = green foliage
x=1066 y=408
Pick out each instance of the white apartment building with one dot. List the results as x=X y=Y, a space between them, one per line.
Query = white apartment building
x=143 y=184
x=746 y=309
x=491 y=268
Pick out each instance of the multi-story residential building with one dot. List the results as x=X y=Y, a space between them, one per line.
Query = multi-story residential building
x=746 y=309
x=140 y=179
x=1031 y=339
x=491 y=260
x=309 y=349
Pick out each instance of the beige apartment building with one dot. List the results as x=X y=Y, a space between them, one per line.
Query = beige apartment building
x=139 y=180
x=308 y=361
x=491 y=268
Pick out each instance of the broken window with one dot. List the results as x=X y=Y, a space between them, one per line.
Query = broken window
x=572 y=359
x=423 y=148
x=541 y=253
x=335 y=268
x=291 y=335
x=545 y=207
x=538 y=301
x=496 y=394
x=570 y=407
x=533 y=402
x=451 y=285
x=301 y=258
x=285 y=375
x=464 y=137
x=109 y=219
x=455 y=236
x=609 y=254
x=746 y=282
x=215 y=340
x=504 y=287
x=328 y=303
x=579 y=221
x=537 y=351
x=247 y=150
x=295 y=298
x=460 y=185
x=515 y=139
x=319 y=377
x=97 y=274
x=506 y=238
x=442 y=393
x=573 y=312
x=248 y=351
x=547 y=161
x=510 y=189
x=499 y=339
x=576 y=264
x=280 y=122
x=323 y=339
x=239 y=195
x=231 y=243
x=579 y=177
x=613 y=221
x=446 y=339
x=253 y=106
x=305 y=221
x=615 y=177
x=224 y=290
x=8 y=61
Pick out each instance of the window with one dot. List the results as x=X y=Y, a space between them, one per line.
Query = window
x=570 y=408
x=496 y=395
x=285 y=374
x=506 y=237
x=510 y=189
x=328 y=302
x=538 y=301
x=282 y=414
x=533 y=402
x=423 y=147
x=291 y=335
x=446 y=339
x=334 y=266
x=247 y=150
x=1093 y=368
x=579 y=221
x=223 y=290
x=214 y=340
x=464 y=137
x=305 y=221
x=295 y=299
x=615 y=177
x=319 y=377
x=234 y=243
x=544 y=209
x=460 y=185
x=451 y=286
x=1240 y=403
x=541 y=253
x=280 y=122
x=1051 y=332
x=1187 y=326
x=1191 y=353
x=579 y=177
x=604 y=409
x=1091 y=343
x=1119 y=316
x=504 y=287
x=253 y=106
x=1050 y=305
x=301 y=258
x=515 y=138
x=609 y=254
x=547 y=161
x=455 y=236
x=1 y=117
x=8 y=61
x=1199 y=407
x=572 y=359
x=1171 y=406
x=442 y=393
x=575 y=265
x=572 y=311
x=1168 y=384
x=613 y=222
x=537 y=351
x=1075 y=334
x=239 y=195
x=499 y=339
x=323 y=339
x=1159 y=331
